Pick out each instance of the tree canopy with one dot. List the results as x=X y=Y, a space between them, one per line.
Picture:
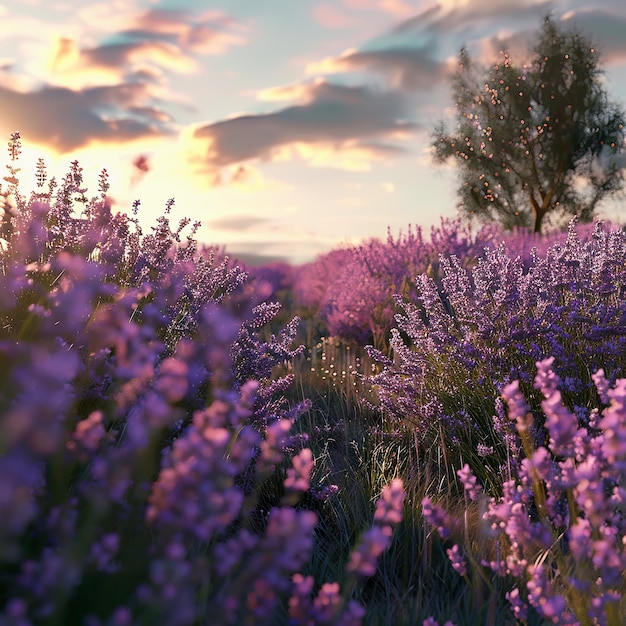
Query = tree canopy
x=536 y=139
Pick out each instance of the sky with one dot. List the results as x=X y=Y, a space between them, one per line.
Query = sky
x=287 y=127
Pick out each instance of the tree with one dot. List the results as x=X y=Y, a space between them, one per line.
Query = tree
x=537 y=139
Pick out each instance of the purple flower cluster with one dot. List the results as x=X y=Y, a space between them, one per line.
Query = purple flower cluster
x=149 y=472
x=352 y=289
x=328 y=607
x=559 y=525
x=459 y=342
x=377 y=539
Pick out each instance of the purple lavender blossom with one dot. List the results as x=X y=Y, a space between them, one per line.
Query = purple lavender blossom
x=326 y=604
x=299 y=475
x=468 y=480
x=138 y=394
x=561 y=512
x=374 y=541
x=518 y=606
x=613 y=425
x=436 y=517
x=389 y=504
x=457 y=559
x=300 y=600
x=487 y=323
x=602 y=385
x=518 y=408
x=552 y=606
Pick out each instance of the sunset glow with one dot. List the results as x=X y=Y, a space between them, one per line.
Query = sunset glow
x=286 y=128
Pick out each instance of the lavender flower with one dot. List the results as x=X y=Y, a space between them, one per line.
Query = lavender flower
x=457 y=559
x=563 y=512
x=468 y=480
x=602 y=385
x=389 y=504
x=299 y=476
x=613 y=425
x=436 y=517
x=486 y=323
x=551 y=605
x=300 y=600
x=138 y=410
x=374 y=542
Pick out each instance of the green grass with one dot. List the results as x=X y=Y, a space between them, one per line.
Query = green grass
x=360 y=451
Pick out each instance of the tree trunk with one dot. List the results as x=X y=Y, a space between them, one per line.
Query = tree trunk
x=539 y=215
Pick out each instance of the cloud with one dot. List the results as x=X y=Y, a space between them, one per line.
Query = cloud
x=115 y=90
x=460 y=14
x=331 y=122
x=67 y=120
x=606 y=29
x=409 y=56
x=330 y=16
x=407 y=68
x=110 y=64
x=477 y=19
x=398 y=8
x=149 y=43
x=298 y=91
x=359 y=4
x=238 y=222
x=487 y=26
x=210 y=33
x=455 y=23
x=351 y=156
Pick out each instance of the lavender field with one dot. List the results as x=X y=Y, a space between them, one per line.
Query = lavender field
x=428 y=429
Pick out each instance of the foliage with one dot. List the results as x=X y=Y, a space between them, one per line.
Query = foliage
x=559 y=524
x=455 y=347
x=352 y=289
x=348 y=293
x=534 y=140
x=168 y=456
x=150 y=475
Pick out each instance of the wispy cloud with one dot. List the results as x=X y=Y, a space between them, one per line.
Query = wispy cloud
x=112 y=63
x=332 y=16
x=397 y=8
x=332 y=125
x=66 y=120
x=407 y=68
x=238 y=222
x=461 y=15
x=70 y=95
x=209 y=33
x=606 y=28
x=146 y=44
